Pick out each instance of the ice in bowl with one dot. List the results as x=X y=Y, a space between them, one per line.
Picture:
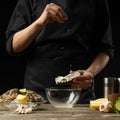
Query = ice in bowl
x=63 y=97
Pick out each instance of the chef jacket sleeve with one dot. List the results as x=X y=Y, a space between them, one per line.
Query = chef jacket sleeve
x=20 y=19
x=103 y=32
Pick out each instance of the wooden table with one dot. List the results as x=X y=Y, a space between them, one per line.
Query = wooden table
x=47 y=112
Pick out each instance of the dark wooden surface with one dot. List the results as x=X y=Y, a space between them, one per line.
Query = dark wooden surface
x=47 y=112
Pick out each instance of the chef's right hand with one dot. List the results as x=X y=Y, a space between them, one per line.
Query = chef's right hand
x=83 y=81
x=53 y=13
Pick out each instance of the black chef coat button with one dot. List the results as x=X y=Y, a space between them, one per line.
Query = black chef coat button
x=68 y=30
x=71 y=65
x=62 y=47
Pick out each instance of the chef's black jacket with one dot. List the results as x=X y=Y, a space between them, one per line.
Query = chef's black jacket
x=59 y=48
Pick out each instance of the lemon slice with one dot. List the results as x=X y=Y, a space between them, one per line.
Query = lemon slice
x=23 y=91
x=22 y=98
x=96 y=103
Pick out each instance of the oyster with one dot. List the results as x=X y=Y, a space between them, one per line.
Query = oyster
x=10 y=95
x=33 y=96
x=68 y=78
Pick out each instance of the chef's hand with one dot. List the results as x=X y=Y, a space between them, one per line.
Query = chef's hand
x=53 y=13
x=83 y=81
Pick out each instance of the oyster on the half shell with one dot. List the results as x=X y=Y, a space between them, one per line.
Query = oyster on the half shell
x=68 y=78
x=9 y=95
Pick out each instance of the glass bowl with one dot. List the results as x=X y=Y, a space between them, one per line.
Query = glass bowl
x=63 y=97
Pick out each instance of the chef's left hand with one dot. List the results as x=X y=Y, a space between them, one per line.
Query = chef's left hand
x=83 y=81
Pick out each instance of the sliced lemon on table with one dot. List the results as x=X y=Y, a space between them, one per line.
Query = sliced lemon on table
x=96 y=103
x=22 y=98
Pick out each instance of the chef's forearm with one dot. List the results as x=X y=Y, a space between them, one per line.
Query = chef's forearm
x=98 y=64
x=25 y=37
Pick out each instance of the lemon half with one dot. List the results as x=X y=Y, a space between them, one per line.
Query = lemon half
x=22 y=98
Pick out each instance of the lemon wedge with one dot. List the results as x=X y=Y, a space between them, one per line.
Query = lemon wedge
x=96 y=103
x=22 y=98
x=23 y=91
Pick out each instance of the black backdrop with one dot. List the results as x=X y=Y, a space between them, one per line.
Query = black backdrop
x=12 y=69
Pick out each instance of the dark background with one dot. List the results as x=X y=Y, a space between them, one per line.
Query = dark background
x=12 y=69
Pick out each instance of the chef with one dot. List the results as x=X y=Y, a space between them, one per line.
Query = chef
x=59 y=37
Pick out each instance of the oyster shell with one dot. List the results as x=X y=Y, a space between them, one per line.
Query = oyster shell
x=9 y=95
x=33 y=96
x=68 y=78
